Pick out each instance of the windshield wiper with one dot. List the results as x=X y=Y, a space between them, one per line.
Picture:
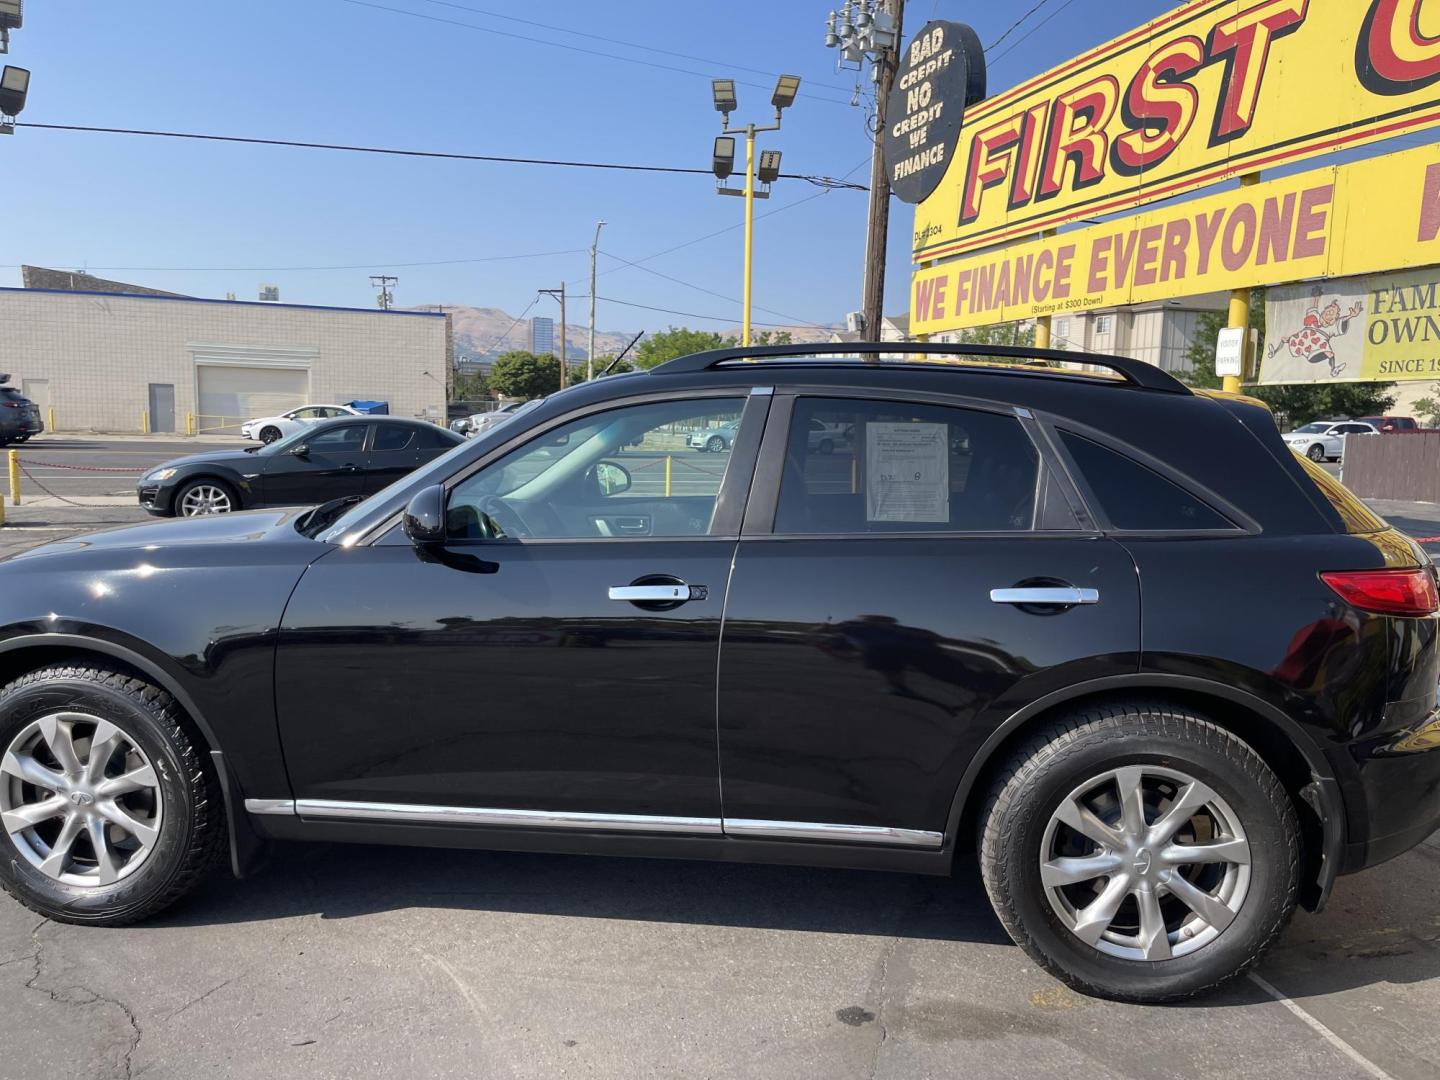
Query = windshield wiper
x=312 y=521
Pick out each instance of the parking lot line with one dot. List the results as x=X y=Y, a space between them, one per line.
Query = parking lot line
x=1323 y=1031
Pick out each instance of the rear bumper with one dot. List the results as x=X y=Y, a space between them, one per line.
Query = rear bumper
x=1398 y=790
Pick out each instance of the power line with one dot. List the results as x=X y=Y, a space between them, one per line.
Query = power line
x=719 y=295
x=1015 y=25
x=1021 y=40
x=518 y=319
x=447 y=155
x=688 y=314
x=296 y=269
x=614 y=41
x=571 y=48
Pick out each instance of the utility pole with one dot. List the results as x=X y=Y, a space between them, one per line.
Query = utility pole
x=385 y=283
x=559 y=294
x=877 y=232
x=590 y=352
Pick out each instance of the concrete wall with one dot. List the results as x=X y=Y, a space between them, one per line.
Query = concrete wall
x=101 y=352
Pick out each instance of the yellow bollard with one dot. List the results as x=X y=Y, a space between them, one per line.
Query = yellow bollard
x=2 y=509
x=667 y=475
x=51 y=411
x=190 y=423
x=145 y=421
x=14 y=478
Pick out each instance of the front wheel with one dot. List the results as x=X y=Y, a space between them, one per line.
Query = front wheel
x=715 y=444
x=1140 y=852
x=1316 y=452
x=201 y=497
x=269 y=433
x=111 y=812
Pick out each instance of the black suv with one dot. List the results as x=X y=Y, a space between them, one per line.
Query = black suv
x=19 y=416
x=1168 y=678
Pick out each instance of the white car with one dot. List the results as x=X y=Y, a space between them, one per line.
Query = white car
x=1324 y=440
x=269 y=428
x=480 y=423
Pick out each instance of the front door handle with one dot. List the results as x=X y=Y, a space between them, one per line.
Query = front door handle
x=658 y=593
x=1045 y=594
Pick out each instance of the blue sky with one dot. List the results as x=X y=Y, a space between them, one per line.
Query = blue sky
x=338 y=71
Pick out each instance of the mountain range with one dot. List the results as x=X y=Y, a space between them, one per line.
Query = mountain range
x=483 y=333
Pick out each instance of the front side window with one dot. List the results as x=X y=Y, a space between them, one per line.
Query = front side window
x=627 y=472
x=860 y=467
x=347 y=437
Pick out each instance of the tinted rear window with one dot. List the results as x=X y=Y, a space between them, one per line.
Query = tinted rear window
x=1134 y=497
x=1358 y=517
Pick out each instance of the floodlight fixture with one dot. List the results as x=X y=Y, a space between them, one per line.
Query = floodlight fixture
x=14 y=85
x=769 y=170
x=724 y=93
x=723 y=161
x=786 y=87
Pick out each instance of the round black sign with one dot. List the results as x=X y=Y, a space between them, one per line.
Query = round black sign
x=940 y=75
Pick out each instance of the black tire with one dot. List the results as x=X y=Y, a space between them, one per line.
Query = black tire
x=715 y=444
x=192 y=836
x=204 y=481
x=269 y=433
x=826 y=446
x=1316 y=452
x=1085 y=744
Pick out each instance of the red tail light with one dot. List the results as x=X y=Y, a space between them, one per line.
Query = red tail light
x=12 y=404
x=1387 y=592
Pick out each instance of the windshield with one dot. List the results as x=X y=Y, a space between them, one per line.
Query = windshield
x=1312 y=429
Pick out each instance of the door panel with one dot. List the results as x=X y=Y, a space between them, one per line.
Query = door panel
x=859 y=676
x=331 y=469
x=501 y=675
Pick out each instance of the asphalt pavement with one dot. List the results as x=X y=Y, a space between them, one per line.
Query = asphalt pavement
x=345 y=961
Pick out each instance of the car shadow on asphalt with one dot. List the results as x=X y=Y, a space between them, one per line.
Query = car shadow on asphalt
x=344 y=881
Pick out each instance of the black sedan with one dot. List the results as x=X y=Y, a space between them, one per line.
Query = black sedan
x=333 y=460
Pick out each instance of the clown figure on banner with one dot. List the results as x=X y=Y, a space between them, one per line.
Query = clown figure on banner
x=1314 y=341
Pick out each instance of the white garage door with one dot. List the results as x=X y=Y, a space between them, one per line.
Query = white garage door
x=230 y=395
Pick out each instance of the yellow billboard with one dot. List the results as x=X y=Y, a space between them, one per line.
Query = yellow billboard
x=1208 y=91
x=1379 y=328
x=1368 y=216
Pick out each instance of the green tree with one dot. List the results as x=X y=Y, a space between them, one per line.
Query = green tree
x=1428 y=408
x=469 y=387
x=999 y=334
x=767 y=337
x=524 y=375
x=677 y=341
x=1292 y=405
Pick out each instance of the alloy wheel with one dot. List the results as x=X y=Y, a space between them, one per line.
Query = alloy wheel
x=1145 y=863
x=79 y=799
x=204 y=499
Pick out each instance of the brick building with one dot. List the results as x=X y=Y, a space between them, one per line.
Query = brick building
x=106 y=359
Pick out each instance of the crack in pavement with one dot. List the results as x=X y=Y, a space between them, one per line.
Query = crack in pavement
x=202 y=997
x=65 y=996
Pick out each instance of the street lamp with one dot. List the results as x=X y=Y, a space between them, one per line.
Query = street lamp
x=722 y=163
x=14 y=86
x=11 y=17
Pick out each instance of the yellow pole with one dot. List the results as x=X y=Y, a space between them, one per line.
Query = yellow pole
x=1239 y=318
x=51 y=411
x=145 y=421
x=667 y=476
x=190 y=423
x=14 y=478
x=749 y=233
x=2 y=509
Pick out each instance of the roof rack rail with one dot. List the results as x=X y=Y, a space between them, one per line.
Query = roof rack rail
x=1135 y=372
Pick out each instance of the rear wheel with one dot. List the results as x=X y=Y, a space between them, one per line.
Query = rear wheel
x=269 y=433
x=109 y=810
x=1316 y=452
x=1140 y=852
x=201 y=497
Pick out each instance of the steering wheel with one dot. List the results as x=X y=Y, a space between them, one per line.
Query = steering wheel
x=505 y=517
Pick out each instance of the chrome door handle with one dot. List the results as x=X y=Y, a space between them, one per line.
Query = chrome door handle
x=658 y=593
x=1045 y=595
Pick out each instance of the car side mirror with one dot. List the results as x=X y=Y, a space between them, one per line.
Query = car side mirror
x=611 y=478
x=424 y=519
x=302 y=451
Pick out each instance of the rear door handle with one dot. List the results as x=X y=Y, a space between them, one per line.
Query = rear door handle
x=1066 y=595
x=661 y=593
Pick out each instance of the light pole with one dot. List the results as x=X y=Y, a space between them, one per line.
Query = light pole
x=767 y=168
x=861 y=29
x=590 y=353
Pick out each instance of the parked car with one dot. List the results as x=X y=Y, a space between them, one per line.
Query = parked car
x=713 y=439
x=268 y=429
x=480 y=423
x=825 y=437
x=903 y=650
x=1396 y=425
x=354 y=457
x=19 y=416
x=1324 y=440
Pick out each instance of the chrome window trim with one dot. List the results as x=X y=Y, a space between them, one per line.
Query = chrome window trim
x=742 y=828
x=814 y=830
